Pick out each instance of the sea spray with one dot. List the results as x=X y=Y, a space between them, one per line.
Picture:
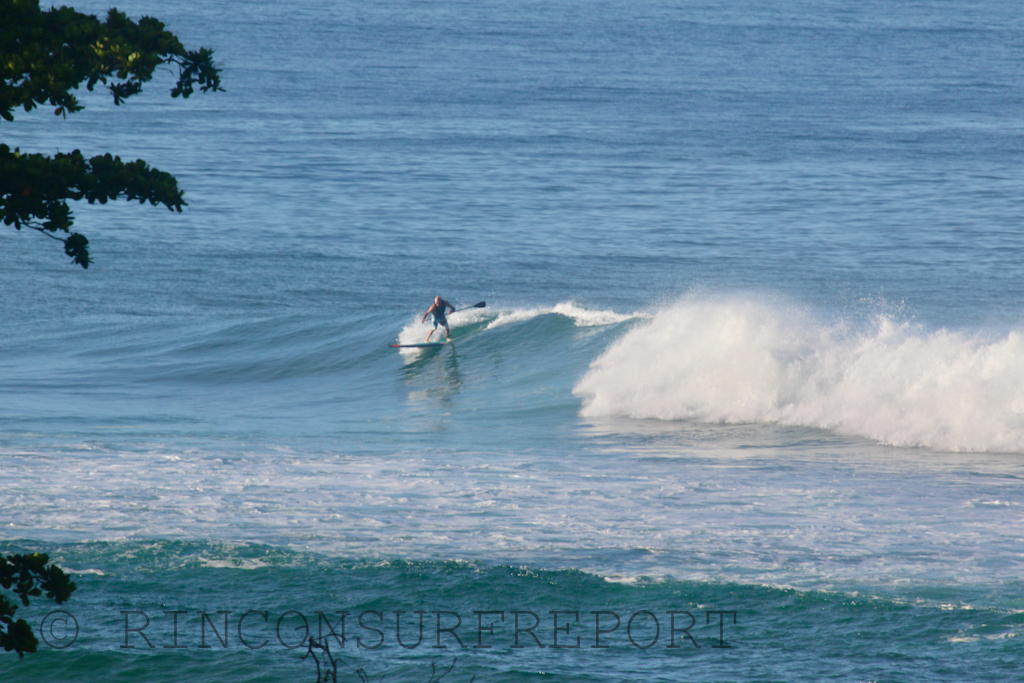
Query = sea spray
x=747 y=359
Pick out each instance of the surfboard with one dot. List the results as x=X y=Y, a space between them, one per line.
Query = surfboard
x=425 y=345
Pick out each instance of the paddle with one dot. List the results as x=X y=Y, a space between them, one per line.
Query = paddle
x=476 y=305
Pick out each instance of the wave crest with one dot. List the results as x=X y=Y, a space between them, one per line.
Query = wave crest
x=745 y=360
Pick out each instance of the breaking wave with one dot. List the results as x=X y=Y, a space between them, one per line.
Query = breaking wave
x=477 y=319
x=745 y=360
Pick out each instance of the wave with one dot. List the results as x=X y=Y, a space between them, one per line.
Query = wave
x=476 y=319
x=747 y=360
x=581 y=317
x=643 y=622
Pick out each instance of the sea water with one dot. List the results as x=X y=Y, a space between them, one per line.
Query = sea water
x=745 y=403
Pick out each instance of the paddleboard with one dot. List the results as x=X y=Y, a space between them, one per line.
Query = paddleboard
x=425 y=345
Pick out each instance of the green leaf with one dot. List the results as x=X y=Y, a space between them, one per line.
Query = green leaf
x=48 y=54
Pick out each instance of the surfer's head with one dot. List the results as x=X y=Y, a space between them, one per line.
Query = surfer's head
x=437 y=300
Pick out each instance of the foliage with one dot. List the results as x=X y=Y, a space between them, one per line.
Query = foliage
x=38 y=186
x=28 y=576
x=44 y=55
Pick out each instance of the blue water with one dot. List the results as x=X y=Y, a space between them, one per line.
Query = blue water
x=753 y=343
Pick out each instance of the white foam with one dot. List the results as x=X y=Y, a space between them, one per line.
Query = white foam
x=625 y=516
x=582 y=317
x=415 y=332
x=749 y=360
x=233 y=563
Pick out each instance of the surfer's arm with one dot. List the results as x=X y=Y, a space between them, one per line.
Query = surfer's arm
x=429 y=311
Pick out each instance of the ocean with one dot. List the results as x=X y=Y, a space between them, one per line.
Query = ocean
x=745 y=402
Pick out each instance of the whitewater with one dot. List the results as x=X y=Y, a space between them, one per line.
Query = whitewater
x=758 y=360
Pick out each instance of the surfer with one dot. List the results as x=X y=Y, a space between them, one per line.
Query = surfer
x=437 y=309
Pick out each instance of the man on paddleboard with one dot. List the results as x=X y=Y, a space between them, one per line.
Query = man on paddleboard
x=437 y=309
